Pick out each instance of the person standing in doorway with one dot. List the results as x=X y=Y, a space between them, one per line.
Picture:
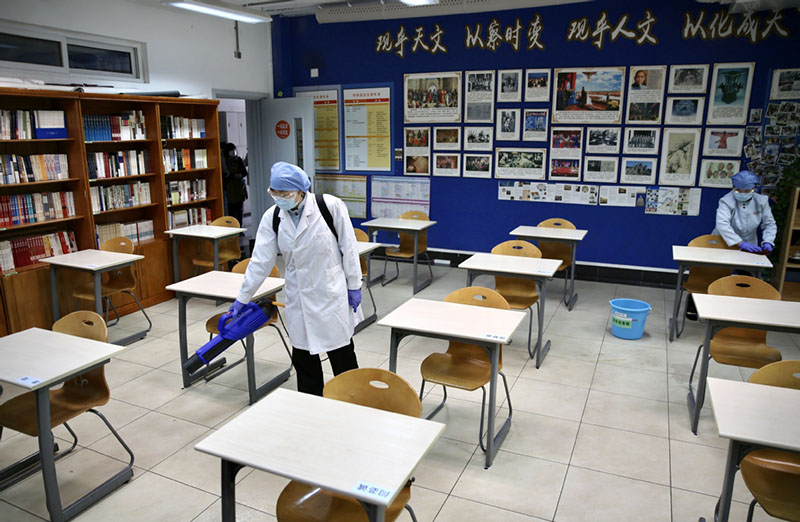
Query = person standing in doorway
x=234 y=182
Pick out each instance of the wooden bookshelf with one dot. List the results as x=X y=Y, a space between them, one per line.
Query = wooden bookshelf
x=787 y=269
x=154 y=271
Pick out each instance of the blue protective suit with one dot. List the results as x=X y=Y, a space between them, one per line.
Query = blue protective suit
x=737 y=222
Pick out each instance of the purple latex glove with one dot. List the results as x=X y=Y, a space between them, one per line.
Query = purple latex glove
x=767 y=247
x=354 y=298
x=235 y=308
x=749 y=247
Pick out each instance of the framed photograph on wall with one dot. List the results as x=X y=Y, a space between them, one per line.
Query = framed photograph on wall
x=507 y=125
x=565 y=169
x=566 y=142
x=646 y=94
x=432 y=97
x=479 y=97
x=447 y=138
x=534 y=124
x=477 y=165
x=509 y=85
x=638 y=171
x=729 y=98
x=416 y=152
x=601 y=169
x=478 y=138
x=537 y=85
x=588 y=95
x=688 y=79
x=447 y=164
x=519 y=163
x=684 y=111
x=641 y=140
x=785 y=84
x=680 y=149
x=717 y=173
x=603 y=140
x=723 y=142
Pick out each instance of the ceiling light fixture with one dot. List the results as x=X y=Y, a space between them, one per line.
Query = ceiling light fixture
x=214 y=8
x=415 y=3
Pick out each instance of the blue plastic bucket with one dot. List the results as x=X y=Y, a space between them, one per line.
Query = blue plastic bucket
x=628 y=317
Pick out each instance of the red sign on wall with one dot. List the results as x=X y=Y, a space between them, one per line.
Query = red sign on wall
x=282 y=129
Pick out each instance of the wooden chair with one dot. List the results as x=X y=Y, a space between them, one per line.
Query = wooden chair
x=466 y=366
x=772 y=475
x=406 y=248
x=741 y=346
x=520 y=294
x=79 y=395
x=557 y=250
x=372 y=387
x=228 y=248
x=120 y=280
x=362 y=236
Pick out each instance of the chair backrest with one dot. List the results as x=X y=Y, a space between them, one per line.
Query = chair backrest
x=125 y=277
x=407 y=240
x=785 y=374
x=745 y=286
x=89 y=325
x=241 y=267
x=375 y=388
x=511 y=285
x=555 y=249
x=475 y=296
x=364 y=237
x=228 y=248
x=702 y=276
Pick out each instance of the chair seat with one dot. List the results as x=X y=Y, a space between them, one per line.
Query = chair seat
x=773 y=476
x=18 y=413
x=209 y=263
x=300 y=502
x=520 y=301
x=465 y=373
x=396 y=252
x=728 y=348
x=211 y=324
x=86 y=292
x=697 y=286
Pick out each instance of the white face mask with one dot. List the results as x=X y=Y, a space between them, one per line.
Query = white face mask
x=285 y=203
x=743 y=197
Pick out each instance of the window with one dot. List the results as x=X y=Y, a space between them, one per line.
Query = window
x=22 y=49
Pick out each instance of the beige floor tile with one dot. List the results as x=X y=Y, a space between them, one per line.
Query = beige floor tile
x=544 y=398
x=154 y=353
x=119 y=372
x=206 y=403
x=600 y=497
x=627 y=413
x=687 y=505
x=409 y=370
x=630 y=381
x=151 y=390
x=16 y=446
x=574 y=347
x=680 y=427
x=243 y=514
x=540 y=436
x=561 y=370
x=90 y=428
x=654 y=336
x=441 y=467
x=461 y=418
x=582 y=329
x=462 y=510
x=152 y=438
x=260 y=490
x=264 y=372
x=11 y=513
x=633 y=356
x=700 y=469
x=632 y=455
x=418 y=348
x=514 y=482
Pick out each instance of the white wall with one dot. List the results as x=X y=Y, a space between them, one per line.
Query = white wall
x=188 y=52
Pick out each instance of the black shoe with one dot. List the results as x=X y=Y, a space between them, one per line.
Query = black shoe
x=691 y=315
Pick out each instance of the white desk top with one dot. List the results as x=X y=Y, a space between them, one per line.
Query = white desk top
x=764 y=312
x=365 y=247
x=529 y=266
x=398 y=224
x=223 y=285
x=719 y=256
x=453 y=319
x=35 y=358
x=281 y=434
x=756 y=413
x=93 y=260
x=206 y=231
x=564 y=234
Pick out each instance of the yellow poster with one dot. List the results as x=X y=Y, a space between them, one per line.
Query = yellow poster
x=367 y=129
x=326 y=128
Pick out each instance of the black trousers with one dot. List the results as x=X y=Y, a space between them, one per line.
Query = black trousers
x=236 y=210
x=309 y=367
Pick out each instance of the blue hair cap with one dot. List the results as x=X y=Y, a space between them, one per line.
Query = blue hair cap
x=285 y=176
x=744 y=180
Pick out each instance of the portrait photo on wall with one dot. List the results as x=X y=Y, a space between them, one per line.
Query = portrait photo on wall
x=432 y=97
x=600 y=169
x=417 y=149
x=588 y=95
x=717 y=173
x=519 y=163
x=688 y=79
x=417 y=165
x=447 y=138
x=723 y=142
x=641 y=140
x=603 y=140
x=785 y=84
x=564 y=169
x=507 y=125
x=509 y=85
x=729 y=98
x=646 y=94
x=447 y=164
x=566 y=142
x=477 y=165
x=638 y=171
x=537 y=85
x=680 y=149
x=478 y=138
x=479 y=97
x=534 y=124
x=684 y=111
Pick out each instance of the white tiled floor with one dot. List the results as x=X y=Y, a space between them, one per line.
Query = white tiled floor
x=599 y=433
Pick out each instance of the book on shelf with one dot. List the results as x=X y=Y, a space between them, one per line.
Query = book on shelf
x=32 y=124
x=119 y=196
x=190 y=216
x=129 y=125
x=19 y=168
x=117 y=164
x=186 y=191
x=37 y=207
x=184 y=159
x=23 y=251
x=182 y=127
x=137 y=231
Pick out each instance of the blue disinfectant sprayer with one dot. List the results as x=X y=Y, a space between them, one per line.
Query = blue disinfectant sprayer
x=231 y=329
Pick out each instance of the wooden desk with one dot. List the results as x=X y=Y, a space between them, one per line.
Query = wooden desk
x=536 y=269
x=721 y=311
x=95 y=262
x=368 y=454
x=365 y=249
x=752 y=416
x=487 y=327
x=36 y=360
x=560 y=235
x=409 y=226
x=702 y=256
x=223 y=286
x=206 y=232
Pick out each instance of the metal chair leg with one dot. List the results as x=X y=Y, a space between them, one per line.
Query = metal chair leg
x=751 y=510
x=116 y=435
x=694 y=365
x=32 y=464
x=149 y=322
x=430 y=263
x=421 y=390
x=385 y=281
x=680 y=321
x=411 y=512
x=114 y=309
x=441 y=404
x=285 y=346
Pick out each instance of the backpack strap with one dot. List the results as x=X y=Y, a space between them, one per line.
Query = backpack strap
x=323 y=208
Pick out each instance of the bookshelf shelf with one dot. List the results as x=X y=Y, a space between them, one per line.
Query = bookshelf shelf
x=33 y=184
x=170 y=141
x=45 y=223
x=189 y=171
x=122 y=178
x=191 y=203
x=117 y=142
x=124 y=209
x=26 y=268
x=43 y=140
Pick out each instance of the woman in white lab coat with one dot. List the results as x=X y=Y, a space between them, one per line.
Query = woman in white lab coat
x=323 y=275
x=742 y=212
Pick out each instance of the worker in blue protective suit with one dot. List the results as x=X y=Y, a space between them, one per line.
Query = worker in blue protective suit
x=742 y=212
x=323 y=274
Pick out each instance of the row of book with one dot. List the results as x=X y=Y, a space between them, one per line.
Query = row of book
x=119 y=196
x=21 y=209
x=28 y=125
x=18 y=168
x=127 y=126
x=191 y=216
x=180 y=127
x=23 y=251
x=137 y=231
x=186 y=191
x=118 y=164
x=184 y=159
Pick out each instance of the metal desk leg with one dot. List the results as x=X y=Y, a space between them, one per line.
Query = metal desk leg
x=256 y=392
x=375 y=513
x=54 y=292
x=216 y=254
x=52 y=496
x=98 y=293
x=695 y=403
x=493 y=441
x=176 y=276
x=371 y=318
x=540 y=350
x=370 y=282
x=425 y=283
x=229 y=471
x=573 y=297
x=394 y=340
x=725 y=497
x=673 y=323
x=183 y=343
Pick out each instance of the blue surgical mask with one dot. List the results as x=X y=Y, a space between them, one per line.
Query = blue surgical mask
x=743 y=198
x=285 y=203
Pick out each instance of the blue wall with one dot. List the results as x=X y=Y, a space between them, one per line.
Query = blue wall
x=469 y=214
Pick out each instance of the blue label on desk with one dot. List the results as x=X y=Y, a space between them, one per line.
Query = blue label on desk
x=29 y=381
x=368 y=490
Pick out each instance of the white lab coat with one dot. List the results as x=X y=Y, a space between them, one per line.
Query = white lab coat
x=737 y=222
x=318 y=273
